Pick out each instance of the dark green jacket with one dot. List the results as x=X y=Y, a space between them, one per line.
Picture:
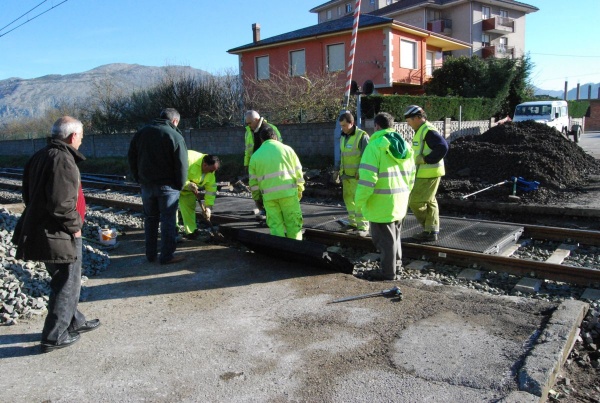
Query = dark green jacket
x=158 y=155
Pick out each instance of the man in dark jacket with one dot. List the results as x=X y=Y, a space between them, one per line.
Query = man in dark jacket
x=49 y=229
x=158 y=161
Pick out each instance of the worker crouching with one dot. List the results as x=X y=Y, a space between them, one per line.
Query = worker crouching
x=277 y=183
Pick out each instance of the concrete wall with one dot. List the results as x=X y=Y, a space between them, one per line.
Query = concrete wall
x=305 y=139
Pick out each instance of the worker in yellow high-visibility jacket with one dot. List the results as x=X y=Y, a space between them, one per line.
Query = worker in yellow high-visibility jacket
x=386 y=177
x=277 y=182
x=254 y=123
x=201 y=176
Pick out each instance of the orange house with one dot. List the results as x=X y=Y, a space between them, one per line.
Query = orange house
x=396 y=57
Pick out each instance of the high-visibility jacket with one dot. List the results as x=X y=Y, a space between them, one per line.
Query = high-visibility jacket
x=275 y=172
x=387 y=175
x=208 y=181
x=350 y=152
x=249 y=140
x=420 y=147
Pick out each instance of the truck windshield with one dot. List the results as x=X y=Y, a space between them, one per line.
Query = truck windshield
x=530 y=110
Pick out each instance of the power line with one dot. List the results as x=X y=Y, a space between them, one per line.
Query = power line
x=23 y=15
x=31 y=19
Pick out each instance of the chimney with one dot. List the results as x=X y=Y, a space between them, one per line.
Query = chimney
x=255 y=32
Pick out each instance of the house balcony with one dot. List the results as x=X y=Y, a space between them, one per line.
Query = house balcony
x=497 y=51
x=498 y=25
x=441 y=26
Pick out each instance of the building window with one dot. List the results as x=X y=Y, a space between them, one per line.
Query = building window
x=503 y=13
x=485 y=40
x=297 y=63
x=262 y=68
x=430 y=63
x=408 y=54
x=335 y=57
x=328 y=14
x=502 y=45
x=348 y=8
x=485 y=13
x=339 y=10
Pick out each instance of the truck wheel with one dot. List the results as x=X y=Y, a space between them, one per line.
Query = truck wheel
x=577 y=134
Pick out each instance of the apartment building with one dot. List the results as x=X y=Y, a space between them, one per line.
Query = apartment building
x=494 y=28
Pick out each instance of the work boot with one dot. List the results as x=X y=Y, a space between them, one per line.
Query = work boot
x=193 y=235
x=426 y=236
x=361 y=233
x=348 y=228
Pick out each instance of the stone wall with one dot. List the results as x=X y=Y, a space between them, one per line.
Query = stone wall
x=305 y=139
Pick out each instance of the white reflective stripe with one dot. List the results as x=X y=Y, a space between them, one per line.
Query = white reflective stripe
x=276 y=175
x=300 y=180
x=368 y=167
x=254 y=188
x=439 y=164
x=210 y=193
x=366 y=183
x=390 y=191
x=395 y=174
x=280 y=187
x=253 y=176
x=350 y=153
x=349 y=166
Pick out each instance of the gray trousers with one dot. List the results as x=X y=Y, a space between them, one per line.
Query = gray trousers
x=63 y=315
x=386 y=238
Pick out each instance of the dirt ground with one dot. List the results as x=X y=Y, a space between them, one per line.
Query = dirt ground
x=231 y=325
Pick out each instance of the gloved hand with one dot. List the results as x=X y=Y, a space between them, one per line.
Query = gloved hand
x=192 y=187
x=207 y=213
x=419 y=160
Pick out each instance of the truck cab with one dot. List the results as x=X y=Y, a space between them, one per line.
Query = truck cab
x=552 y=113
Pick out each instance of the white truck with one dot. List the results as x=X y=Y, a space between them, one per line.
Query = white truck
x=552 y=113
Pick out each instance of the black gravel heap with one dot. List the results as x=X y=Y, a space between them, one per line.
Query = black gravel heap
x=527 y=149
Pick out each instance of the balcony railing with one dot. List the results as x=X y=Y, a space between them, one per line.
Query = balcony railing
x=441 y=26
x=498 y=51
x=498 y=25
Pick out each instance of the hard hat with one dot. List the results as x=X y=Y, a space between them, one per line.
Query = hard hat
x=413 y=110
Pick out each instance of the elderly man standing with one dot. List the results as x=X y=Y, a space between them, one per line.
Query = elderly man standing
x=201 y=176
x=353 y=142
x=429 y=148
x=277 y=182
x=386 y=177
x=158 y=161
x=254 y=123
x=49 y=230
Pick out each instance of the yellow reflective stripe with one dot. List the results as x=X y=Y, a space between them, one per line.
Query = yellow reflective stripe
x=368 y=167
x=366 y=183
x=280 y=187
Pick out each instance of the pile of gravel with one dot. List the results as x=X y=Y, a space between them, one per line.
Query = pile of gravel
x=527 y=149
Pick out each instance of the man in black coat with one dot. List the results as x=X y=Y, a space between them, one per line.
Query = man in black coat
x=49 y=229
x=158 y=160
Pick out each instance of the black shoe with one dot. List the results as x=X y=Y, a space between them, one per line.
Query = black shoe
x=194 y=235
x=377 y=275
x=48 y=346
x=426 y=236
x=174 y=259
x=88 y=326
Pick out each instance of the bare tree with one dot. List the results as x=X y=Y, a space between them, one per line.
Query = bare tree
x=290 y=99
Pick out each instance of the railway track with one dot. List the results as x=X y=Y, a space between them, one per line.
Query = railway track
x=551 y=269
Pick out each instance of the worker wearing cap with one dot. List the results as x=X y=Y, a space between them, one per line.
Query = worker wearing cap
x=201 y=176
x=276 y=182
x=254 y=122
x=353 y=142
x=386 y=177
x=429 y=148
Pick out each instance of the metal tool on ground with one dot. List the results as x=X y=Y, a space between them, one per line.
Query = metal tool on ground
x=214 y=233
x=514 y=196
x=392 y=292
x=484 y=189
x=259 y=211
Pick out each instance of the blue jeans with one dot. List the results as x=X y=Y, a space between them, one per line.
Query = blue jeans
x=160 y=206
x=63 y=315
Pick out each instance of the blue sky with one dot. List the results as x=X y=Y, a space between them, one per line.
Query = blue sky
x=79 y=35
